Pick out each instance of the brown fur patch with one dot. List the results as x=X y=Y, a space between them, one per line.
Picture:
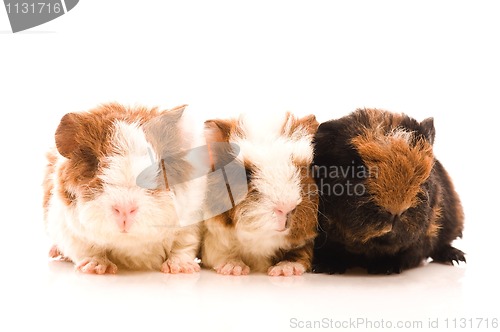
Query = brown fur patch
x=220 y=130
x=89 y=131
x=305 y=216
x=400 y=166
x=83 y=138
x=225 y=219
x=372 y=232
x=434 y=226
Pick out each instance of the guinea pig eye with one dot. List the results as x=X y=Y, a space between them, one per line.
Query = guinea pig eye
x=87 y=163
x=248 y=173
x=363 y=172
x=423 y=196
x=153 y=192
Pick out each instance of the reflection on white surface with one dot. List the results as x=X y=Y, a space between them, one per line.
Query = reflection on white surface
x=58 y=297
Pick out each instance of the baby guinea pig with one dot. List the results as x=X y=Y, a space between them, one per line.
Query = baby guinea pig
x=272 y=226
x=386 y=203
x=97 y=215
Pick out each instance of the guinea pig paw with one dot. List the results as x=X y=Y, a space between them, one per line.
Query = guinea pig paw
x=96 y=265
x=55 y=253
x=235 y=268
x=176 y=265
x=448 y=255
x=286 y=269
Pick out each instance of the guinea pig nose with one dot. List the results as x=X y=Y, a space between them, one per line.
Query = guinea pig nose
x=125 y=210
x=124 y=216
x=394 y=218
x=281 y=212
x=284 y=209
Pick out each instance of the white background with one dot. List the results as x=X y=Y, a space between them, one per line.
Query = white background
x=424 y=58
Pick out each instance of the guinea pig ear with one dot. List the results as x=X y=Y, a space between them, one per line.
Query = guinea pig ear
x=331 y=128
x=218 y=130
x=310 y=123
x=428 y=129
x=294 y=126
x=326 y=138
x=164 y=131
x=176 y=113
x=67 y=133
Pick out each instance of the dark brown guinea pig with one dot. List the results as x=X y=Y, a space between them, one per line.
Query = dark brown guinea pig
x=386 y=203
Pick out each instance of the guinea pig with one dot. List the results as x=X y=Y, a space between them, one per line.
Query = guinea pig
x=98 y=215
x=271 y=226
x=386 y=203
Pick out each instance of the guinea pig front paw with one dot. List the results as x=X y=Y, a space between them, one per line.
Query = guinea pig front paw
x=176 y=265
x=55 y=253
x=96 y=265
x=448 y=254
x=286 y=268
x=235 y=268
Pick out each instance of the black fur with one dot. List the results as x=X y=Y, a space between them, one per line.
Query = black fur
x=344 y=219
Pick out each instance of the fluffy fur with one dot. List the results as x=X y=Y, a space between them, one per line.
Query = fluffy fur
x=96 y=214
x=271 y=229
x=386 y=203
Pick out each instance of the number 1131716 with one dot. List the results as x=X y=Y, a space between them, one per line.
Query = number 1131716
x=33 y=8
x=471 y=323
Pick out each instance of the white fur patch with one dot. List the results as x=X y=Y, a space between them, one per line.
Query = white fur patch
x=275 y=177
x=131 y=158
x=402 y=133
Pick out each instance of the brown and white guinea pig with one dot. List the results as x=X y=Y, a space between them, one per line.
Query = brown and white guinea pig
x=96 y=212
x=271 y=226
x=386 y=203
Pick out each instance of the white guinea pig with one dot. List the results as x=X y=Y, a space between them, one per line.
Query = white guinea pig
x=96 y=213
x=272 y=226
